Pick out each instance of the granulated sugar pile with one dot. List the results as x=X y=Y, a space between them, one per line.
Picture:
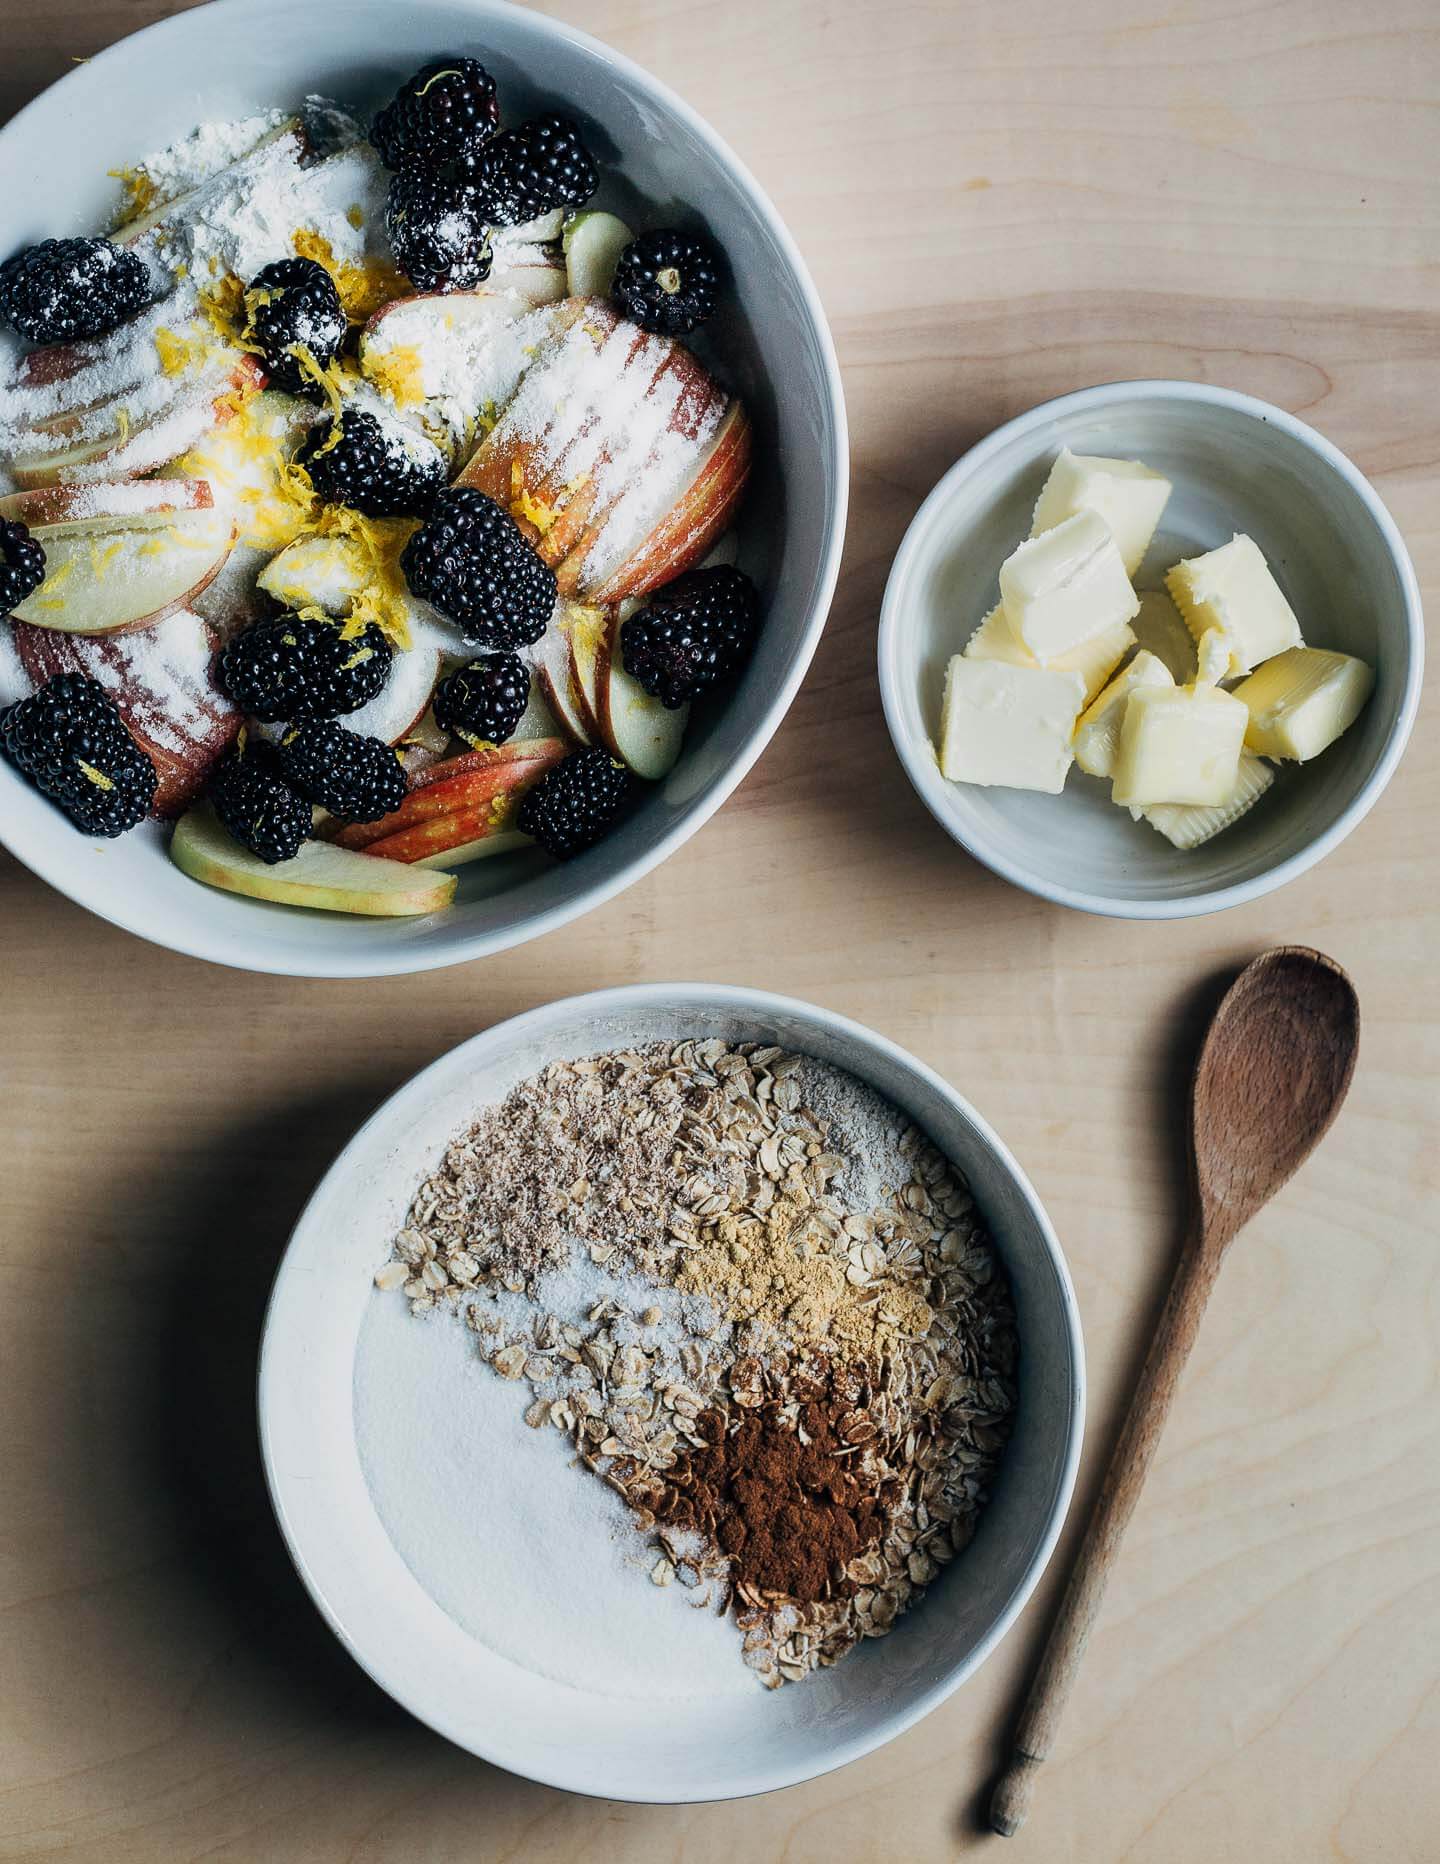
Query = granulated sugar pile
x=745 y=1305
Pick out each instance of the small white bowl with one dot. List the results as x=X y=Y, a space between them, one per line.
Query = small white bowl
x=692 y=1748
x=1237 y=464
x=770 y=338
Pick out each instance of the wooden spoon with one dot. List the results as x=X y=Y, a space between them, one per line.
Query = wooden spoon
x=1274 y=1068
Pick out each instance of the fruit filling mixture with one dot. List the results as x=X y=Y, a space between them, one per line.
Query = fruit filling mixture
x=367 y=511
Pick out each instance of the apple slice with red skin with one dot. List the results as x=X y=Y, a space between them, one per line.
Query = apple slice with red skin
x=493 y=841
x=494 y=756
x=125 y=452
x=437 y=837
x=123 y=578
x=699 y=518
x=444 y=790
x=126 y=504
x=587 y=631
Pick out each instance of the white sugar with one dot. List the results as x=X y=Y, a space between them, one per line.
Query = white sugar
x=533 y=1558
x=204 y=152
x=15 y=682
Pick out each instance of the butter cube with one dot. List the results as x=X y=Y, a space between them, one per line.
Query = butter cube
x=1232 y=589
x=1094 y=660
x=1301 y=701
x=1008 y=725
x=1066 y=586
x=1179 y=745
x=1128 y=496
x=1188 y=826
x=1159 y=629
x=1097 y=736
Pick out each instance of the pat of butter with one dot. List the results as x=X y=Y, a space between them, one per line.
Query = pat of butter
x=1128 y=496
x=1065 y=587
x=1301 y=701
x=1159 y=629
x=1179 y=745
x=1097 y=736
x=1232 y=589
x=1094 y=660
x=1188 y=826
x=1009 y=726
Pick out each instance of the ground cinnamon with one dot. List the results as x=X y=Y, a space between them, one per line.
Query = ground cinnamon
x=776 y=1493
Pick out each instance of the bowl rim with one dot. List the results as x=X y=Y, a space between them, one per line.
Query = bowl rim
x=603 y=1007
x=917 y=757
x=49 y=857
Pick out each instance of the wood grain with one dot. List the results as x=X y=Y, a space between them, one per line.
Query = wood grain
x=999 y=201
x=1272 y=1075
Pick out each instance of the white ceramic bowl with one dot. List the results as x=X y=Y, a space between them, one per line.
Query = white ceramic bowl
x=1237 y=464
x=694 y=1748
x=770 y=339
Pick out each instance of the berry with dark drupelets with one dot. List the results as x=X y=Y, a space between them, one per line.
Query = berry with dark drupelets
x=470 y=559
x=527 y=171
x=374 y=466
x=439 y=118
x=574 y=805
x=292 y=306
x=357 y=778
x=256 y=804
x=438 y=233
x=303 y=666
x=73 y=745
x=694 y=631
x=22 y=564
x=66 y=289
x=667 y=281
x=485 y=700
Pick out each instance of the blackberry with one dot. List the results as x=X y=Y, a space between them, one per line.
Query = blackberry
x=439 y=118
x=438 y=233
x=667 y=281
x=377 y=467
x=484 y=701
x=22 y=565
x=695 y=631
x=72 y=744
x=293 y=305
x=574 y=804
x=525 y=172
x=471 y=561
x=302 y=666
x=64 y=289
x=357 y=778
x=257 y=805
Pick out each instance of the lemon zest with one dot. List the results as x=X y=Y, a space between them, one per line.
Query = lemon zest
x=363 y=288
x=97 y=777
x=140 y=194
x=399 y=373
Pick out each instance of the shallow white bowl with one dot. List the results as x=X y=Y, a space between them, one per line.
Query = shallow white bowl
x=770 y=340
x=694 y=1748
x=1237 y=464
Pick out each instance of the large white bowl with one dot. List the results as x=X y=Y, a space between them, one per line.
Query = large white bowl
x=1237 y=464
x=674 y=1750
x=770 y=340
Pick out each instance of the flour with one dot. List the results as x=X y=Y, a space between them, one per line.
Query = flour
x=204 y=152
x=531 y=1557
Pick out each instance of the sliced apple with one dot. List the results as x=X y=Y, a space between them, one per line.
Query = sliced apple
x=466 y=348
x=404 y=699
x=321 y=876
x=101 y=583
x=443 y=791
x=163 y=685
x=587 y=630
x=704 y=511
x=555 y=672
x=593 y=244
x=640 y=731
x=80 y=510
x=497 y=841
x=533 y=282
x=547 y=750
x=121 y=450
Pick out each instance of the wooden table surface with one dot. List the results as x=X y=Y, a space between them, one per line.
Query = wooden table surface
x=999 y=202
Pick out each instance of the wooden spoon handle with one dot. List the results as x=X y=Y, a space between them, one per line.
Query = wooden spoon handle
x=1129 y=1465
